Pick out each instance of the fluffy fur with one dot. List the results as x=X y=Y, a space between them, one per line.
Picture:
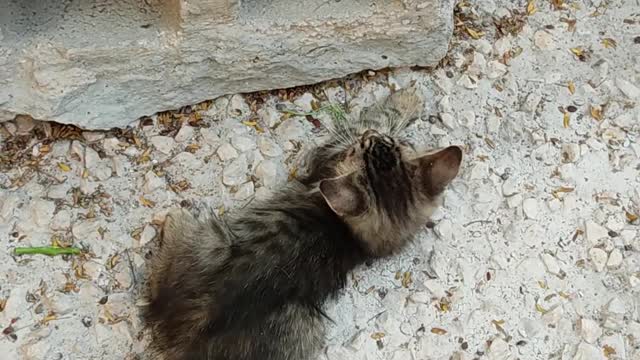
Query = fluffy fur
x=253 y=287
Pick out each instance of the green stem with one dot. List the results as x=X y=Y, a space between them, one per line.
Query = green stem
x=46 y=250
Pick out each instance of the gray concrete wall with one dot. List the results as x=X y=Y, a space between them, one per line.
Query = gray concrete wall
x=103 y=64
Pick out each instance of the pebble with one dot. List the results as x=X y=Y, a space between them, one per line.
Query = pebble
x=594 y=232
x=236 y=172
x=41 y=212
x=466 y=82
x=551 y=263
x=164 y=144
x=615 y=259
x=267 y=172
x=269 y=116
x=530 y=208
x=589 y=330
x=226 y=152
x=628 y=89
x=543 y=40
x=499 y=350
x=496 y=69
x=269 y=148
x=444 y=229
x=238 y=106
x=111 y=146
x=96 y=166
x=24 y=124
x=588 y=352
x=185 y=133
x=304 y=102
x=291 y=129
x=152 y=182
x=448 y=121
x=148 y=233
x=510 y=187
x=245 y=191
x=598 y=258
x=61 y=220
x=209 y=136
x=243 y=144
x=86 y=231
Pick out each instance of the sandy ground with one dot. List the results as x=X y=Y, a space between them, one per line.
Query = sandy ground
x=534 y=255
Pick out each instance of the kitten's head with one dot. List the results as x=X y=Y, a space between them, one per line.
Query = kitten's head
x=385 y=191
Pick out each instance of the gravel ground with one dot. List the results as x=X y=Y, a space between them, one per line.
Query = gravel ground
x=534 y=255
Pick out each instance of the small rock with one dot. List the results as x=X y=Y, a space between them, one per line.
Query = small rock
x=111 y=146
x=291 y=129
x=530 y=328
x=236 y=172
x=41 y=212
x=152 y=182
x=164 y=144
x=209 y=136
x=269 y=116
x=435 y=288
x=61 y=220
x=615 y=259
x=24 y=124
x=185 y=133
x=148 y=233
x=226 y=152
x=238 y=106
x=444 y=105
x=628 y=89
x=588 y=352
x=499 y=350
x=444 y=229
x=245 y=191
x=469 y=119
x=484 y=46
x=243 y=144
x=598 y=258
x=543 y=40
x=589 y=330
x=96 y=166
x=510 y=187
x=58 y=192
x=530 y=208
x=267 y=172
x=532 y=101
x=467 y=82
x=304 y=102
x=269 y=147
x=594 y=232
x=570 y=152
x=123 y=277
x=93 y=136
x=496 y=69
x=448 y=121
x=551 y=263
x=86 y=231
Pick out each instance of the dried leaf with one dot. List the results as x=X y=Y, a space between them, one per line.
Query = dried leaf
x=543 y=284
x=631 y=217
x=406 y=279
x=146 y=202
x=596 y=112
x=608 y=351
x=85 y=173
x=577 y=51
x=540 y=309
x=113 y=261
x=3 y=304
x=572 y=87
x=377 y=336
x=531 y=7
x=192 y=148
x=557 y=4
x=609 y=43
x=556 y=193
x=48 y=318
x=438 y=331
x=566 y=119
x=253 y=124
x=64 y=167
x=293 y=174
x=571 y=24
x=473 y=33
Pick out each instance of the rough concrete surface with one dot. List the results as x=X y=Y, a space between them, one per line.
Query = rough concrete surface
x=104 y=64
x=534 y=255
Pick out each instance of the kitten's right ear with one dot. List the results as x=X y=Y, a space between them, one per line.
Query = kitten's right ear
x=344 y=196
x=435 y=171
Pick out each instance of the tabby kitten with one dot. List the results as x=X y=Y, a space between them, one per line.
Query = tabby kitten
x=253 y=287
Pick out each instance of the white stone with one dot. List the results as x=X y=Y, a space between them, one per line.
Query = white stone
x=86 y=231
x=496 y=69
x=164 y=144
x=532 y=101
x=444 y=105
x=435 y=288
x=589 y=330
x=58 y=191
x=93 y=136
x=598 y=258
x=269 y=116
x=617 y=343
x=209 y=136
x=530 y=328
x=484 y=46
x=530 y=208
x=615 y=259
x=148 y=233
x=291 y=129
x=502 y=45
x=269 y=147
x=41 y=212
x=570 y=152
x=499 y=350
x=514 y=201
x=594 y=232
x=588 y=352
x=267 y=172
x=543 y=40
x=628 y=89
x=448 y=121
x=304 y=102
x=61 y=220
x=467 y=82
x=469 y=119
x=551 y=263
x=510 y=187
x=226 y=152
x=243 y=143
x=420 y=297
x=444 y=229
x=152 y=182
x=97 y=167
x=184 y=134
x=479 y=171
x=245 y=191
x=236 y=172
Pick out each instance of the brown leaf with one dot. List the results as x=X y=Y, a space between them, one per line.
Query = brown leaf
x=438 y=331
x=631 y=217
x=64 y=167
x=608 y=351
x=146 y=202
x=531 y=7
x=3 y=304
x=609 y=43
x=596 y=112
x=473 y=33
x=572 y=87
x=377 y=336
x=566 y=119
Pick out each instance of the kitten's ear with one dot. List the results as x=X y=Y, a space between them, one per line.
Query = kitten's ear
x=344 y=196
x=436 y=170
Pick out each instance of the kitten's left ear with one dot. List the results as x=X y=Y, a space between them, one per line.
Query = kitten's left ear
x=344 y=196
x=436 y=170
